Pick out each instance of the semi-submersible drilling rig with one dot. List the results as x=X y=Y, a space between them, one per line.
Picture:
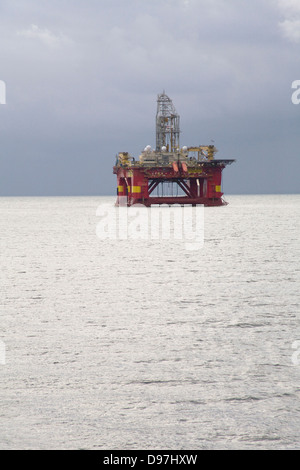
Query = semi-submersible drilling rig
x=170 y=174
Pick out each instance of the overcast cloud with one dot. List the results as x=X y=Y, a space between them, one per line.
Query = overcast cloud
x=82 y=77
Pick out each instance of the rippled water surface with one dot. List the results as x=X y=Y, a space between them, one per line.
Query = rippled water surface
x=121 y=344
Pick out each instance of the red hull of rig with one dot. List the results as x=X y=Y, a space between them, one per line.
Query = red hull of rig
x=191 y=172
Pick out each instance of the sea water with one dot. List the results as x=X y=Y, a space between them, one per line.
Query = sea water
x=143 y=344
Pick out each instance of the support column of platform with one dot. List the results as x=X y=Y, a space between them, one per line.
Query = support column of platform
x=122 y=191
x=214 y=184
x=139 y=187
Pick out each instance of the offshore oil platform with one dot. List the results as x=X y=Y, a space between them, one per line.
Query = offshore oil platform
x=170 y=174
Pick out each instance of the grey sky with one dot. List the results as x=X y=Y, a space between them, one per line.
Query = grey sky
x=82 y=77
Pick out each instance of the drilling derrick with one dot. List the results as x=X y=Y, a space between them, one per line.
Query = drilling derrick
x=170 y=174
x=167 y=125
